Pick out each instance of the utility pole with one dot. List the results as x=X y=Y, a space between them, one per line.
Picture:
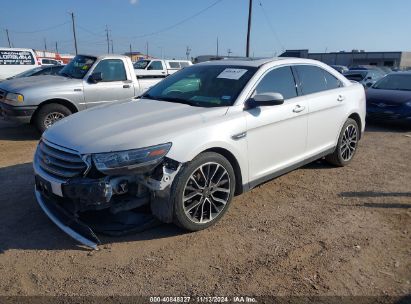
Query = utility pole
x=217 y=46
x=74 y=32
x=229 y=52
x=108 y=41
x=45 y=44
x=147 y=49
x=112 y=47
x=8 y=37
x=57 y=50
x=250 y=10
x=188 y=50
x=131 y=53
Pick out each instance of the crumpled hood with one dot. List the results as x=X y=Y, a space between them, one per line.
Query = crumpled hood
x=388 y=96
x=129 y=125
x=19 y=85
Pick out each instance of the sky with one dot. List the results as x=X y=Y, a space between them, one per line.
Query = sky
x=169 y=26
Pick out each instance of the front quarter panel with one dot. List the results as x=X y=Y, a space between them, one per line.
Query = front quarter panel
x=214 y=134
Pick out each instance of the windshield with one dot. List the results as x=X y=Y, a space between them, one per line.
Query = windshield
x=141 y=65
x=394 y=82
x=78 y=67
x=203 y=85
x=356 y=76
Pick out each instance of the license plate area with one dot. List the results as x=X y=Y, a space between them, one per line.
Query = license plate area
x=43 y=186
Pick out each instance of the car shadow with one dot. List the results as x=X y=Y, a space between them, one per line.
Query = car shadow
x=386 y=126
x=376 y=194
x=17 y=132
x=25 y=226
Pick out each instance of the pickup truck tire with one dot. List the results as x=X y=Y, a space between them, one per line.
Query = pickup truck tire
x=49 y=114
x=347 y=144
x=203 y=191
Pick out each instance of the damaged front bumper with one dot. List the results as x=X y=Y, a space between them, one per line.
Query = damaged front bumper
x=69 y=203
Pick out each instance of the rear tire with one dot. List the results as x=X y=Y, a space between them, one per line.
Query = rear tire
x=48 y=114
x=347 y=144
x=203 y=190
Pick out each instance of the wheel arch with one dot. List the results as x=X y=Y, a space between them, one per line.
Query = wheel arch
x=64 y=102
x=357 y=119
x=234 y=163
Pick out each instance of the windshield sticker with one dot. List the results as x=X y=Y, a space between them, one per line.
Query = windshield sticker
x=233 y=74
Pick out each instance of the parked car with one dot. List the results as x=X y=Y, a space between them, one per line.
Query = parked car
x=366 y=77
x=340 y=68
x=390 y=98
x=48 y=61
x=159 y=68
x=193 y=141
x=87 y=81
x=14 y=61
x=41 y=70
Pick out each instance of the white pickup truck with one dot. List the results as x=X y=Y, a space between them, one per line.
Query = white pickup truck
x=87 y=81
x=159 y=68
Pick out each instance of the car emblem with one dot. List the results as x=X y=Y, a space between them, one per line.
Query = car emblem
x=46 y=160
x=381 y=105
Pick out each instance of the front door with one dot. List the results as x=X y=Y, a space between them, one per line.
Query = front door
x=114 y=86
x=276 y=135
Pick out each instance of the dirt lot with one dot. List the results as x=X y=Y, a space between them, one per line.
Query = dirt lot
x=316 y=231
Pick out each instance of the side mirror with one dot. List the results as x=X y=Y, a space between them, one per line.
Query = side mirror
x=265 y=99
x=96 y=77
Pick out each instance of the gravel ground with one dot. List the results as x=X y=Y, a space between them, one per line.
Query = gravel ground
x=318 y=230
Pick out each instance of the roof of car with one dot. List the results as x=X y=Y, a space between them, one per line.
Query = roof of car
x=255 y=62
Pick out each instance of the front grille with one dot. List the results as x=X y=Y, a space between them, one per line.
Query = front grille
x=59 y=163
x=2 y=95
x=382 y=116
x=384 y=105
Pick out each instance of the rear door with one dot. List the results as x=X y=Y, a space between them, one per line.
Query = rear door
x=325 y=96
x=276 y=135
x=115 y=86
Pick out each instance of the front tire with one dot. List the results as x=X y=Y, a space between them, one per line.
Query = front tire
x=49 y=114
x=347 y=144
x=203 y=191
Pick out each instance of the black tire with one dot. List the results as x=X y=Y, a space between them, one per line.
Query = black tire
x=42 y=116
x=208 y=160
x=337 y=158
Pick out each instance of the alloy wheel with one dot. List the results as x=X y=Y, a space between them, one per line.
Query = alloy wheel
x=349 y=142
x=51 y=118
x=206 y=193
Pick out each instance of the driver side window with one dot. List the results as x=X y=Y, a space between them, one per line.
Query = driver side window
x=111 y=70
x=280 y=80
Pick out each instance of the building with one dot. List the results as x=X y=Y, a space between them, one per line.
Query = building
x=136 y=56
x=400 y=60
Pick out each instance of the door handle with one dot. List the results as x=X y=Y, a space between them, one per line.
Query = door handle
x=298 y=109
x=340 y=98
x=126 y=86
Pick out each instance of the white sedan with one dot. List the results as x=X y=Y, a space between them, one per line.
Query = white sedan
x=196 y=139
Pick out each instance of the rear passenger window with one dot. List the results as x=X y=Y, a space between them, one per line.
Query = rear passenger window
x=312 y=79
x=280 y=80
x=184 y=64
x=111 y=70
x=332 y=81
x=174 y=65
x=156 y=65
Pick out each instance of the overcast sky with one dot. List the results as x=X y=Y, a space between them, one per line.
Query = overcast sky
x=172 y=25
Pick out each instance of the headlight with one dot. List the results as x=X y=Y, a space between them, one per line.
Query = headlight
x=15 y=97
x=131 y=161
x=408 y=103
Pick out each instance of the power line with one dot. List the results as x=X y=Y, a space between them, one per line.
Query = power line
x=180 y=22
x=42 y=30
x=270 y=25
